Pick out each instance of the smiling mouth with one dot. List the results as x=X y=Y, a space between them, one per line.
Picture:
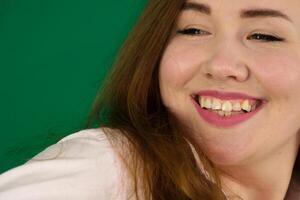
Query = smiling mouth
x=225 y=108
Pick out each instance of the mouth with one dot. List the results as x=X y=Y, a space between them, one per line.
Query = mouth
x=226 y=112
x=227 y=107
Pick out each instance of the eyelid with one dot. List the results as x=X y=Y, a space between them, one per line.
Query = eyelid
x=265 y=33
x=276 y=37
x=196 y=26
x=188 y=28
x=263 y=36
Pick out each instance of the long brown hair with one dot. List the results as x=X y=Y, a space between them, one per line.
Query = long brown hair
x=161 y=164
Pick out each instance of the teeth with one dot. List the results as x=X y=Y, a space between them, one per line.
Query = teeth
x=236 y=107
x=228 y=113
x=227 y=106
x=216 y=105
x=246 y=106
x=207 y=103
x=221 y=113
x=224 y=113
x=202 y=101
x=253 y=107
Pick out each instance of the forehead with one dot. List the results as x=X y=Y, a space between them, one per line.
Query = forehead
x=234 y=7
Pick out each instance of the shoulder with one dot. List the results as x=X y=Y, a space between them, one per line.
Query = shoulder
x=88 y=143
x=82 y=165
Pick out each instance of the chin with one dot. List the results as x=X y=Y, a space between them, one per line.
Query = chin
x=227 y=154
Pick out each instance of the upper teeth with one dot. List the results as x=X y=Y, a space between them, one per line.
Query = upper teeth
x=226 y=105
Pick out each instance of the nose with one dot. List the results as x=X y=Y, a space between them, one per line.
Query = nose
x=224 y=63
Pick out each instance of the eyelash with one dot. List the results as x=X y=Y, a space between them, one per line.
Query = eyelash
x=265 y=37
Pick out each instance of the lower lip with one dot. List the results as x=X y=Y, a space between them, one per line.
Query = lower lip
x=227 y=121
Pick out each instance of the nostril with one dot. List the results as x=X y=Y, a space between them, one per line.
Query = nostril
x=232 y=77
x=209 y=76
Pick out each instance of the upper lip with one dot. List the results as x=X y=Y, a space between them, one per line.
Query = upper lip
x=227 y=95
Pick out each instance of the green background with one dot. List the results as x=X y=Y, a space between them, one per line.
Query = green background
x=53 y=56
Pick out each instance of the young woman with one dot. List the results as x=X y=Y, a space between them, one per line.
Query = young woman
x=202 y=103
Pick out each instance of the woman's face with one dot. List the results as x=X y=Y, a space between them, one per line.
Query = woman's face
x=249 y=47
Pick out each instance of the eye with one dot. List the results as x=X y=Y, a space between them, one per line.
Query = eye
x=192 y=32
x=265 y=38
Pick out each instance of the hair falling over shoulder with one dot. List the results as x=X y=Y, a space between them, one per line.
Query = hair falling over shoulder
x=161 y=163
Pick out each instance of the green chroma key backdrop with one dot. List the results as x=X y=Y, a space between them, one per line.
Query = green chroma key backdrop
x=53 y=56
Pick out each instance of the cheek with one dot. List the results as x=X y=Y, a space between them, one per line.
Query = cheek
x=280 y=74
x=178 y=65
x=177 y=68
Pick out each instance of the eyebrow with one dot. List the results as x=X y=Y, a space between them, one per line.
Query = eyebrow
x=251 y=13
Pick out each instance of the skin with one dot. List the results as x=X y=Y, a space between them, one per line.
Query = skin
x=255 y=157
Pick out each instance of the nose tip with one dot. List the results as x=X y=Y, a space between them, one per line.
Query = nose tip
x=223 y=68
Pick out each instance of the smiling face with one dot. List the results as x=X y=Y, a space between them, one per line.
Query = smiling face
x=220 y=45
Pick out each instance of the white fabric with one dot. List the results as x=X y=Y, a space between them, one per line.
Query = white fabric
x=81 y=166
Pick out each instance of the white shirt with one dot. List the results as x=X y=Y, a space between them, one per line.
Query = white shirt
x=81 y=166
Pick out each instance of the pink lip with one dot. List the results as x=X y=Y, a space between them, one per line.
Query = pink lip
x=228 y=121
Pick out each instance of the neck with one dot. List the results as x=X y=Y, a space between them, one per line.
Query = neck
x=264 y=179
